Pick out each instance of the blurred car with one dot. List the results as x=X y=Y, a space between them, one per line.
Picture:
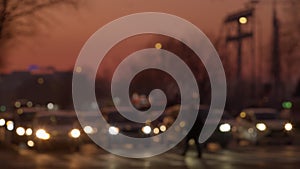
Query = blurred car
x=23 y=119
x=263 y=125
x=7 y=126
x=223 y=134
x=92 y=126
x=120 y=124
x=56 y=128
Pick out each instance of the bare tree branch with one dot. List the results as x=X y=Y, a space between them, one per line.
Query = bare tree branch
x=34 y=7
x=22 y=16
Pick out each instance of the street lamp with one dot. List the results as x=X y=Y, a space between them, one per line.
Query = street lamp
x=243 y=20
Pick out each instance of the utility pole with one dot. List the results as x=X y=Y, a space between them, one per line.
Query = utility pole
x=276 y=66
x=240 y=19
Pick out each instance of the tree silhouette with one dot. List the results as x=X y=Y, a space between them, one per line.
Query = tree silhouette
x=290 y=39
x=17 y=17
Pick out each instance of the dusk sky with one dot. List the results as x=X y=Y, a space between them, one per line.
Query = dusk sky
x=59 y=43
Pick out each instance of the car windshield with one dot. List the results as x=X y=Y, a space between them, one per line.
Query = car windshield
x=56 y=120
x=26 y=116
x=226 y=116
x=91 y=118
x=116 y=117
x=266 y=116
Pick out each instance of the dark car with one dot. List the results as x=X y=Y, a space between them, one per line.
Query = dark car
x=23 y=126
x=120 y=124
x=257 y=125
x=223 y=133
x=54 y=129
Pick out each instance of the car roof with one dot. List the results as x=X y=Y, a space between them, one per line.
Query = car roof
x=65 y=113
x=32 y=109
x=260 y=110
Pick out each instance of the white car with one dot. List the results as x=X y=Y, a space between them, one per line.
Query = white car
x=263 y=124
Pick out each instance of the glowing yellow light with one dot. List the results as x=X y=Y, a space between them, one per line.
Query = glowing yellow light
x=243 y=115
x=10 y=125
x=20 y=111
x=243 y=20
x=156 y=131
x=191 y=142
x=29 y=104
x=158 y=45
x=78 y=69
x=163 y=128
x=182 y=124
x=40 y=80
x=30 y=143
x=17 y=104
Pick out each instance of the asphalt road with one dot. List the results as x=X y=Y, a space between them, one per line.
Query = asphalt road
x=91 y=157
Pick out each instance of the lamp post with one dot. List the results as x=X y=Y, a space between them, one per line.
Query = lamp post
x=239 y=18
x=276 y=66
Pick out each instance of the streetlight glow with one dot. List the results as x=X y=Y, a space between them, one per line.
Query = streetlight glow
x=158 y=45
x=243 y=20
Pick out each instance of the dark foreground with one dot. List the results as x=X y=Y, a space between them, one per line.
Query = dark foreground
x=91 y=157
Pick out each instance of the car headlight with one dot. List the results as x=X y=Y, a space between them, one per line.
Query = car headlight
x=288 y=126
x=146 y=129
x=10 y=125
x=28 y=132
x=30 y=143
x=163 y=128
x=2 y=122
x=156 y=130
x=113 y=130
x=75 y=133
x=20 y=131
x=42 y=134
x=89 y=130
x=261 y=126
x=225 y=127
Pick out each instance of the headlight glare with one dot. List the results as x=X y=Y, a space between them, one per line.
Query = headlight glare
x=163 y=128
x=75 y=133
x=20 y=131
x=113 y=130
x=42 y=134
x=261 y=126
x=225 y=127
x=28 y=132
x=10 y=125
x=2 y=122
x=288 y=126
x=89 y=130
x=146 y=129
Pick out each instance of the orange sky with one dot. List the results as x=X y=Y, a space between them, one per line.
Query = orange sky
x=59 y=43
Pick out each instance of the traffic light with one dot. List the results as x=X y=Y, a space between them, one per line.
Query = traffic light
x=287 y=105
